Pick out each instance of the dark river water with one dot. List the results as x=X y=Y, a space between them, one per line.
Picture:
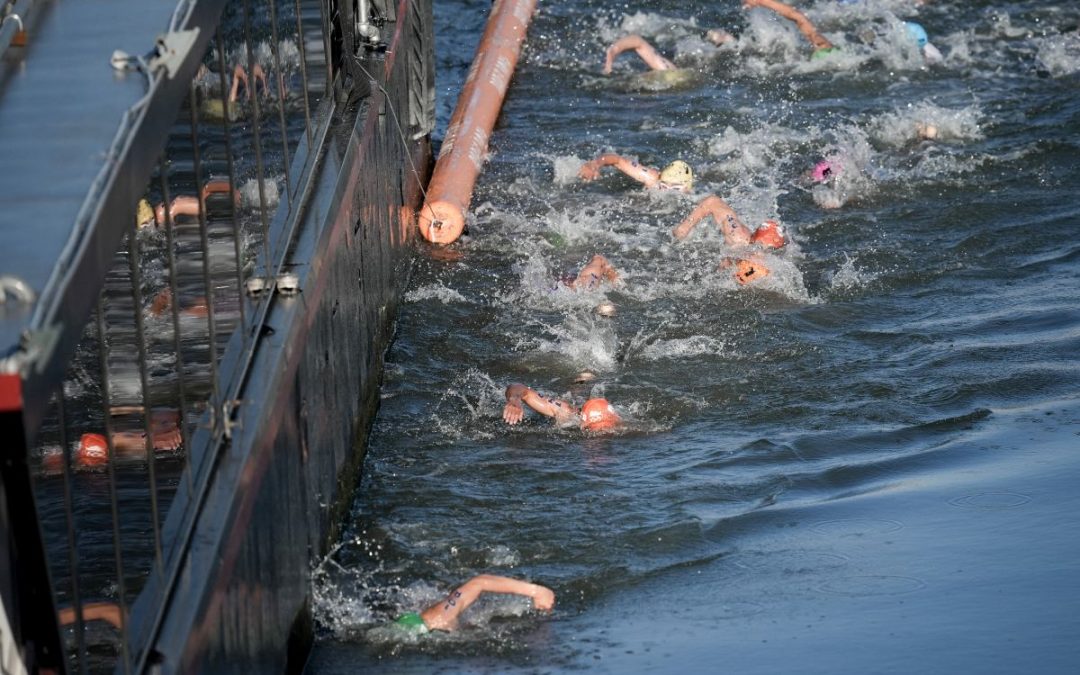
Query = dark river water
x=865 y=463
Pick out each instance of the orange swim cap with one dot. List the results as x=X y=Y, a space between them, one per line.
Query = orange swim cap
x=93 y=450
x=770 y=234
x=747 y=271
x=598 y=415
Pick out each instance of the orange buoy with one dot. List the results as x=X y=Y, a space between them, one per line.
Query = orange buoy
x=442 y=218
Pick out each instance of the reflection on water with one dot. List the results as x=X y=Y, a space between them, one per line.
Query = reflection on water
x=930 y=288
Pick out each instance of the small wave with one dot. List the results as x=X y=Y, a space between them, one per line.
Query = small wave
x=683 y=347
x=435 y=292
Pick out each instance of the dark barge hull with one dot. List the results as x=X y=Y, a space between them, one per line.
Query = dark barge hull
x=273 y=468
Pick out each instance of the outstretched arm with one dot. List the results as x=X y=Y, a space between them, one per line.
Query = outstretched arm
x=735 y=233
x=444 y=614
x=518 y=394
x=790 y=13
x=645 y=174
x=646 y=51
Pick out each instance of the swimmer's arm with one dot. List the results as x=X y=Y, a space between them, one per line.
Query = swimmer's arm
x=184 y=205
x=518 y=394
x=733 y=229
x=444 y=614
x=790 y=13
x=646 y=175
x=260 y=78
x=646 y=51
x=591 y=170
x=239 y=75
x=92 y=611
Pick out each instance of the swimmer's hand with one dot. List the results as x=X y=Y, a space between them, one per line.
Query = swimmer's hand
x=682 y=230
x=589 y=171
x=543 y=598
x=749 y=4
x=513 y=413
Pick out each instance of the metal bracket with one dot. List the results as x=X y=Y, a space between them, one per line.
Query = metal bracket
x=34 y=352
x=15 y=288
x=171 y=49
x=288 y=284
x=227 y=423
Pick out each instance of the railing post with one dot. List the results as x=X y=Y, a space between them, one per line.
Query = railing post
x=24 y=574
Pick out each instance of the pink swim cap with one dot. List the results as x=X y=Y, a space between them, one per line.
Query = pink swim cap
x=823 y=171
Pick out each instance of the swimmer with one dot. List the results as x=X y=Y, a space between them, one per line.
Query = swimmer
x=929 y=51
x=675 y=176
x=646 y=51
x=164 y=435
x=593 y=274
x=185 y=205
x=163 y=303
x=819 y=42
x=596 y=415
x=443 y=615
x=735 y=233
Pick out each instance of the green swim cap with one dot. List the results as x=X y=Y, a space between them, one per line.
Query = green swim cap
x=412 y=622
x=823 y=52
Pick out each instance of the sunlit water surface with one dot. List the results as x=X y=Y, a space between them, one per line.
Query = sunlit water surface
x=866 y=463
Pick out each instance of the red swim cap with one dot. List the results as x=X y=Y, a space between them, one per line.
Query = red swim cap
x=597 y=415
x=747 y=271
x=770 y=234
x=93 y=450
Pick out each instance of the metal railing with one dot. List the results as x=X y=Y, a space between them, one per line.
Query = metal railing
x=286 y=125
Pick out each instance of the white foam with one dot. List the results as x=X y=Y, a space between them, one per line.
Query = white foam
x=901 y=127
x=249 y=193
x=435 y=291
x=849 y=276
x=682 y=347
x=1060 y=54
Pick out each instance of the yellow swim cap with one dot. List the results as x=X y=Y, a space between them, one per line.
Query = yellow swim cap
x=678 y=174
x=144 y=216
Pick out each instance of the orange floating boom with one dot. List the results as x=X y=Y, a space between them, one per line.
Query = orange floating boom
x=442 y=219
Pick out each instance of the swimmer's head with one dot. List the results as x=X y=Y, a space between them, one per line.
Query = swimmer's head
x=719 y=37
x=748 y=271
x=917 y=33
x=598 y=415
x=770 y=234
x=144 y=214
x=823 y=171
x=93 y=450
x=678 y=175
